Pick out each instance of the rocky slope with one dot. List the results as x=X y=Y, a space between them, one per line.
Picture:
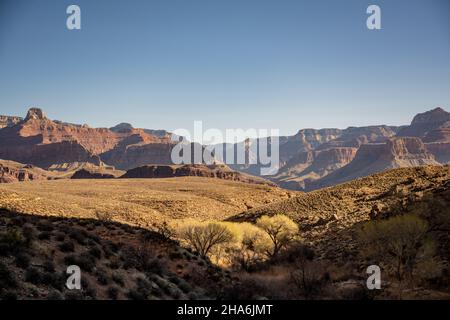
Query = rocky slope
x=326 y=216
x=116 y=261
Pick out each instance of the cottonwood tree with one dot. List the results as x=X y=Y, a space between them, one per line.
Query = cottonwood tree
x=251 y=246
x=205 y=237
x=398 y=242
x=281 y=231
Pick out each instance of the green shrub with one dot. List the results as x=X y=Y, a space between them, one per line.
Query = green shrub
x=83 y=260
x=11 y=241
x=8 y=295
x=22 y=260
x=73 y=295
x=113 y=292
x=55 y=295
x=33 y=275
x=67 y=246
x=44 y=235
x=7 y=278
x=29 y=234
x=102 y=277
x=80 y=236
x=49 y=266
x=95 y=252
x=117 y=278
x=59 y=236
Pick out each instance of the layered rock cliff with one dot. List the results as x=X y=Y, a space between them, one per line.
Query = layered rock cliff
x=11 y=171
x=373 y=158
x=43 y=142
x=9 y=121
x=309 y=166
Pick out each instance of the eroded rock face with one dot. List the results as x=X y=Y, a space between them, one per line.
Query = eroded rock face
x=10 y=172
x=441 y=134
x=293 y=148
x=440 y=150
x=8 y=121
x=309 y=166
x=373 y=158
x=354 y=137
x=133 y=152
x=43 y=142
x=46 y=155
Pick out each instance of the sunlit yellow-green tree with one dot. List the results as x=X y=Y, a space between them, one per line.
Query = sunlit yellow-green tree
x=280 y=229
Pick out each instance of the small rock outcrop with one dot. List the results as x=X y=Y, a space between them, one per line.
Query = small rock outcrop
x=196 y=170
x=89 y=174
x=15 y=172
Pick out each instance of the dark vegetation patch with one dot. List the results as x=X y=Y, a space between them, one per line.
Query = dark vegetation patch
x=116 y=261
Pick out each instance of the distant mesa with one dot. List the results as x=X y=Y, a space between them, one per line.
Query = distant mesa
x=122 y=127
x=89 y=174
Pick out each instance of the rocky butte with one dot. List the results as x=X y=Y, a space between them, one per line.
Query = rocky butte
x=40 y=141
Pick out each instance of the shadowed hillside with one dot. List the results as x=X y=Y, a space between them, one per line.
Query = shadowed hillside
x=116 y=261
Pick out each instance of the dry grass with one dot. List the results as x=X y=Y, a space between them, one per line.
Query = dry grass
x=138 y=201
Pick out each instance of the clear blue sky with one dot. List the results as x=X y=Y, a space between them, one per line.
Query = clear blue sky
x=231 y=63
